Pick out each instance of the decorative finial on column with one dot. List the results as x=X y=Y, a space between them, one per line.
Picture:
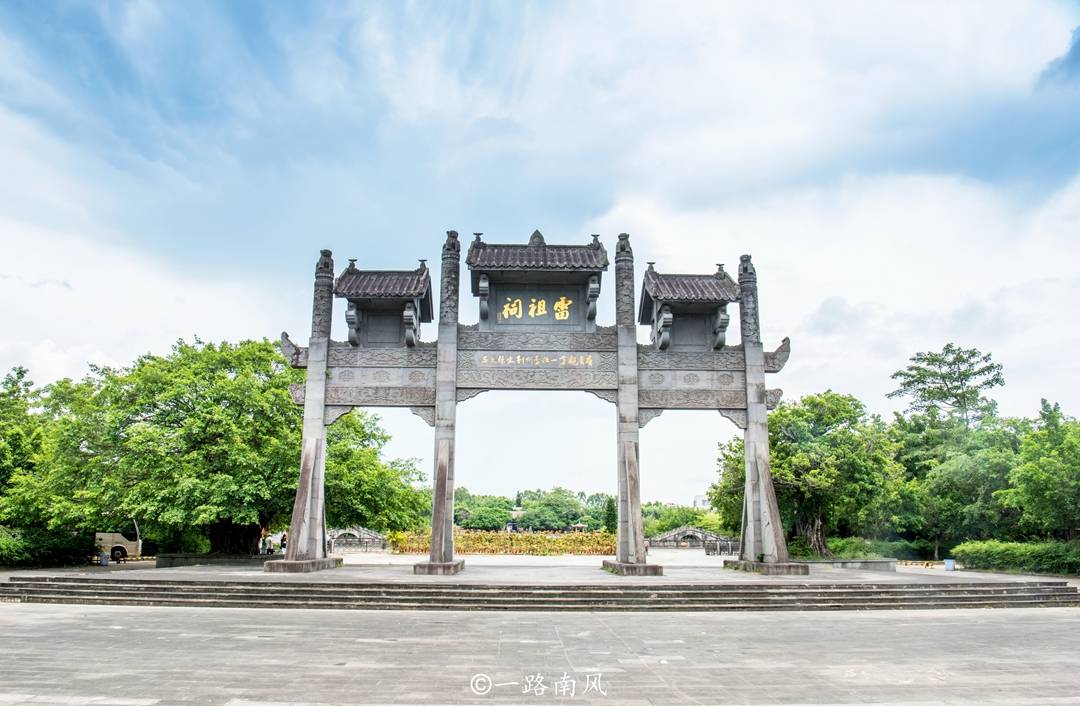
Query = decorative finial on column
x=623 y=249
x=746 y=268
x=325 y=263
x=451 y=246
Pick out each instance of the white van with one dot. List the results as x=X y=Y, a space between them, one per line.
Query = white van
x=120 y=545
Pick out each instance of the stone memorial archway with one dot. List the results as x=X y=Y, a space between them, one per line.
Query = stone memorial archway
x=537 y=330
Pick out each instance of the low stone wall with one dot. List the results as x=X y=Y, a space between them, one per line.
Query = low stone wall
x=863 y=564
x=168 y=561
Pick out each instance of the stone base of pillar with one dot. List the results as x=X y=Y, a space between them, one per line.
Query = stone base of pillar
x=438 y=568
x=623 y=568
x=769 y=569
x=302 y=566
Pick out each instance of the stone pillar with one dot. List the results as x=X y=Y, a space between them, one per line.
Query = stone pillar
x=762 y=529
x=442 y=505
x=307 y=530
x=630 y=545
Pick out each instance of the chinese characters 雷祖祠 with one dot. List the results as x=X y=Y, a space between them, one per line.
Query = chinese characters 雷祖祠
x=513 y=308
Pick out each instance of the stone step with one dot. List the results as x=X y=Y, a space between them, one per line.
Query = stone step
x=113 y=588
x=468 y=589
x=590 y=589
x=217 y=602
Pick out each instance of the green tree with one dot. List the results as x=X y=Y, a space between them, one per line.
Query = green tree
x=833 y=468
x=487 y=516
x=1045 y=485
x=20 y=429
x=362 y=489
x=954 y=379
x=555 y=509
x=611 y=515
x=206 y=437
x=957 y=498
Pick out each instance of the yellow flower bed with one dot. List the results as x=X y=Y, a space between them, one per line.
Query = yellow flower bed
x=495 y=542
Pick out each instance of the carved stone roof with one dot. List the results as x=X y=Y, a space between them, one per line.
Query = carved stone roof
x=536 y=256
x=717 y=288
x=355 y=283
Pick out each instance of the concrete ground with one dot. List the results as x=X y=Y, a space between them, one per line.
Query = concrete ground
x=681 y=566
x=67 y=654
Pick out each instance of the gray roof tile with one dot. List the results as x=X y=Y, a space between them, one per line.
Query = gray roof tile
x=537 y=255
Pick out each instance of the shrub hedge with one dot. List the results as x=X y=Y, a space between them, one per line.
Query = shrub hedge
x=1041 y=557
x=41 y=547
x=498 y=542
x=860 y=548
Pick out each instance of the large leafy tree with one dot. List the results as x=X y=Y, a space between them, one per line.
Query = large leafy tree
x=206 y=437
x=958 y=496
x=953 y=379
x=833 y=467
x=1045 y=485
x=20 y=427
x=363 y=489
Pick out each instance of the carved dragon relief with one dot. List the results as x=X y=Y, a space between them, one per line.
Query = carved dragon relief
x=508 y=379
x=371 y=396
x=727 y=358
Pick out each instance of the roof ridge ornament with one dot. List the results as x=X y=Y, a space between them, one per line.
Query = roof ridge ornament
x=537 y=238
x=596 y=241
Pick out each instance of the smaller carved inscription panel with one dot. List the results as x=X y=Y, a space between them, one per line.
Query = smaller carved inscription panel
x=537 y=360
x=603 y=339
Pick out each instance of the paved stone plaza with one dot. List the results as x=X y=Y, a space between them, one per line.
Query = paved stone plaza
x=74 y=654
x=114 y=655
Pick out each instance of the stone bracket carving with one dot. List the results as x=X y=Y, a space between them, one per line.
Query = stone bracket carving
x=484 y=286
x=335 y=412
x=772 y=398
x=738 y=416
x=647 y=415
x=611 y=396
x=353 y=317
x=593 y=295
x=468 y=393
x=425 y=413
x=412 y=325
x=720 y=325
x=663 y=321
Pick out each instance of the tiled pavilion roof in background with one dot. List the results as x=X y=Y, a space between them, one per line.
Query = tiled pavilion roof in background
x=537 y=255
x=355 y=283
x=717 y=288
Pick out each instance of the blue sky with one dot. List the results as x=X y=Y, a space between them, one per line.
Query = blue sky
x=905 y=174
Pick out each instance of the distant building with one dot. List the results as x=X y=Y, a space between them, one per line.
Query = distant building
x=701 y=502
